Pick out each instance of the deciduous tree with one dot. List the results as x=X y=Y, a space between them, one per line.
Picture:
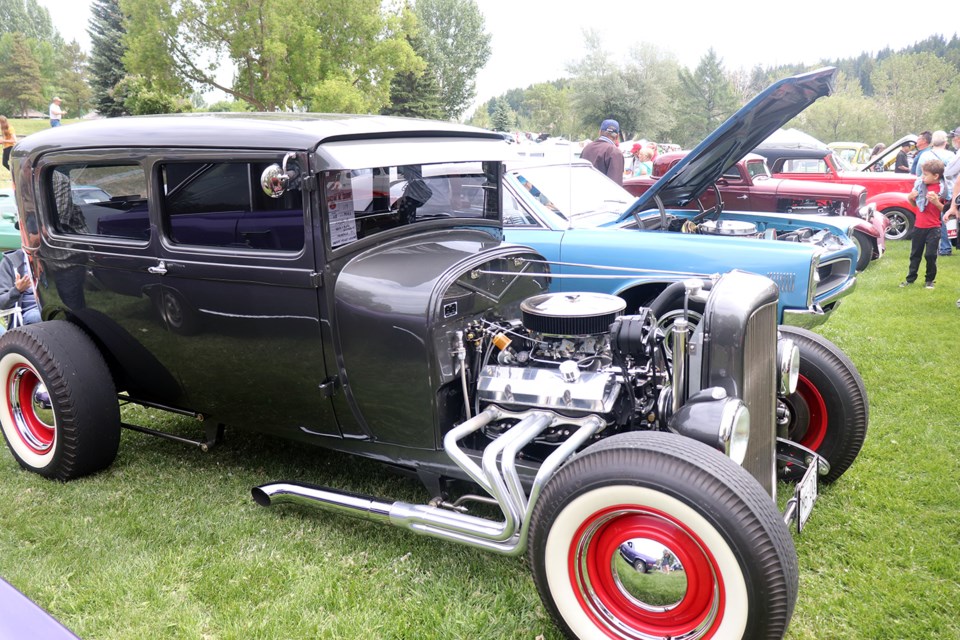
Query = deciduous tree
x=33 y=21
x=845 y=115
x=320 y=55
x=455 y=48
x=29 y=18
x=600 y=89
x=909 y=88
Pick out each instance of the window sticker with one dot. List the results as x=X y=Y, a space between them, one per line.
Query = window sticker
x=343 y=218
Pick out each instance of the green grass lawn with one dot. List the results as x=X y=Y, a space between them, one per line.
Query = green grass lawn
x=168 y=544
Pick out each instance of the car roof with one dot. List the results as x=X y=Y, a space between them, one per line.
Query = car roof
x=302 y=131
x=792 y=152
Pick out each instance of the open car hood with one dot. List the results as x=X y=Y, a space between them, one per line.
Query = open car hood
x=735 y=138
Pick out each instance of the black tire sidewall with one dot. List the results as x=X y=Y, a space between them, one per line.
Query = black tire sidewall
x=82 y=395
x=845 y=398
x=866 y=250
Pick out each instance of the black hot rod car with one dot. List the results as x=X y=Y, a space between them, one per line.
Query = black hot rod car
x=235 y=260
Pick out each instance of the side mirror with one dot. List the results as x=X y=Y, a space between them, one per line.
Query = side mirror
x=276 y=179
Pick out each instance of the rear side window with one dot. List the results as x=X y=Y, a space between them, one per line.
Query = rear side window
x=100 y=200
x=804 y=165
x=221 y=204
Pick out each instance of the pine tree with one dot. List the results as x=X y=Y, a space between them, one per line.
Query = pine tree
x=106 y=55
x=503 y=117
x=20 y=82
x=415 y=96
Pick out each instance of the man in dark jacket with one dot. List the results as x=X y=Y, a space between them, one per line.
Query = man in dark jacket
x=604 y=152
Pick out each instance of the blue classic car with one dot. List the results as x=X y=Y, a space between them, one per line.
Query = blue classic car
x=573 y=215
x=576 y=217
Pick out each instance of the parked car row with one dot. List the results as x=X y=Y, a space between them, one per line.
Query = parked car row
x=748 y=186
x=347 y=280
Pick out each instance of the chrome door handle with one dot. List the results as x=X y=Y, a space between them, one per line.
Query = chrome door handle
x=742 y=197
x=160 y=269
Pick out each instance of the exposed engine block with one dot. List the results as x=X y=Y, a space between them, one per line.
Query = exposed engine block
x=575 y=353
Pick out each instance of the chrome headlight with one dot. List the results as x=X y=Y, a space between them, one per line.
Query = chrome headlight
x=716 y=420
x=735 y=430
x=866 y=212
x=788 y=362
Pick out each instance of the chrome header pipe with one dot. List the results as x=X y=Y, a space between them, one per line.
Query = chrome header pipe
x=498 y=477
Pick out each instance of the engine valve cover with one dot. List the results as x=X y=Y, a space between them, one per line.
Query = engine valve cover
x=545 y=388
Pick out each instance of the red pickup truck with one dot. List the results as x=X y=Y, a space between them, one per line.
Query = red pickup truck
x=748 y=186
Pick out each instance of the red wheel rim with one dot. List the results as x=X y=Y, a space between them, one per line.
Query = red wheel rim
x=605 y=601
x=36 y=434
x=816 y=429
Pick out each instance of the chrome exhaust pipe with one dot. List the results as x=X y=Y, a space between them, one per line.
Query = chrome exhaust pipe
x=329 y=499
x=498 y=477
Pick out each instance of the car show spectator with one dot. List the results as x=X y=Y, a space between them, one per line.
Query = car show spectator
x=874 y=154
x=56 y=112
x=642 y=164
x=923 y=141
x=938 y=149
x=9 y=139
x=951 y=175
x=926 y=233
x=604 y=152
x=902 y=163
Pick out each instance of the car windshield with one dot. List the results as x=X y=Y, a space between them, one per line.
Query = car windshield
x=364 y=202
x=758 y=169
x=841 y=162
x=578 y=192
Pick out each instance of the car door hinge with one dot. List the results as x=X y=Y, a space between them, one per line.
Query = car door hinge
x=316 y=279
x=329 y=387
x=309 y=183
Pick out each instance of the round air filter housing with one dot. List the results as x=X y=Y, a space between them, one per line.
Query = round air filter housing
x=571 y=314
x=728 y=228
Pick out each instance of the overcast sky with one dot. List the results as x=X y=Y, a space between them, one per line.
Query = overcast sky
x=534 y=40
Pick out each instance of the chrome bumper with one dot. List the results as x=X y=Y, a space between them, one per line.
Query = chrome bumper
x=819 y=312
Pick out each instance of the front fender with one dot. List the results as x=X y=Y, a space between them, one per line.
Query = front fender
x=884 y=201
